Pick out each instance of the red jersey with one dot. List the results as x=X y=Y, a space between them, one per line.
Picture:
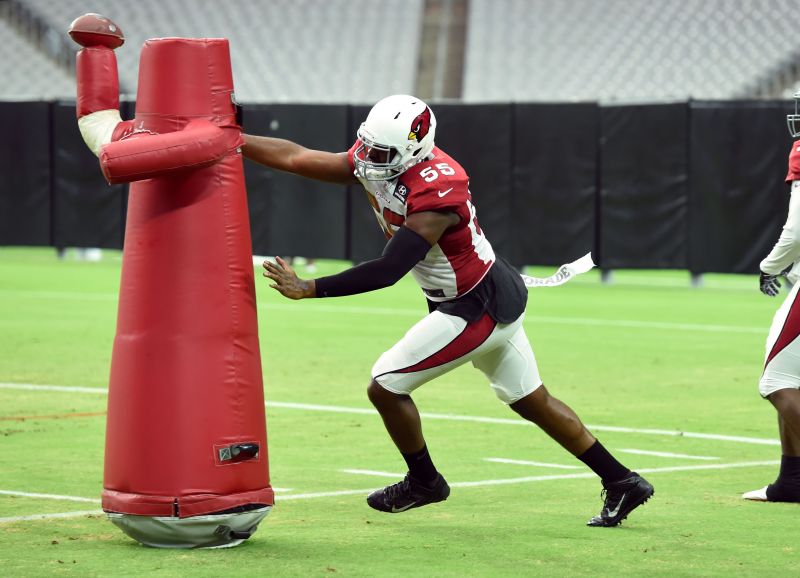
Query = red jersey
x=463 y=255
x=794 y=163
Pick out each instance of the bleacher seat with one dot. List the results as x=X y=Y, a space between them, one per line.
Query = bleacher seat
x=358 y=51
x=282 y=50
x=27 y=74
x=625 y=50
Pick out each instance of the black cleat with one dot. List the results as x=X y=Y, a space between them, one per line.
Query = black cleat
x=620 y=499
x=408 y=494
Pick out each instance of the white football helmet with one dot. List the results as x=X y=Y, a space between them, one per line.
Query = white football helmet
x=397 y=134
x=793 y=120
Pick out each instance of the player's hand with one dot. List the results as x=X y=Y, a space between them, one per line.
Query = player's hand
x=769 y=284
x=286 y=281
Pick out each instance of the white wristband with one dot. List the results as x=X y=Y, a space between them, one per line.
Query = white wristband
x=98 y=127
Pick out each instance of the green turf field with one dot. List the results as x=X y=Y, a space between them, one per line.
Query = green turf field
x=674 y=365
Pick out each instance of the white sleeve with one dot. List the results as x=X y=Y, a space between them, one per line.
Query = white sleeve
x=98 y=127
x=787 y=250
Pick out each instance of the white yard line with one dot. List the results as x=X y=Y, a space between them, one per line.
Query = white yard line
x=527 y=479
x=373 y=473
x=593 y=475
x=518 y=422
x=527 y=463
x=633 y=324
x=529 y=319
x=436 y=416
x=60 y=388
x=419 y=313
x=709 y=467
x=47 y=496
x=75 y=514
x=665 y=454
x=70 y=295
x=319 y=407
x=687 y=434
x=475 y=484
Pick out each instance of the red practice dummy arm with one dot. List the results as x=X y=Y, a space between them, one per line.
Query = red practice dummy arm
x=143 y=155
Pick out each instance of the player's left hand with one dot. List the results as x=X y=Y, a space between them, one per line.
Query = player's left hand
x=769 y=284
x=286 y=281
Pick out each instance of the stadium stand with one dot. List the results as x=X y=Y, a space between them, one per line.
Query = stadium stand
x=356 y=51
x=282 y=50
x=28 y=74
x=626 y=50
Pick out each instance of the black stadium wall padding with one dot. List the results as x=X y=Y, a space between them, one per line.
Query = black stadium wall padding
x=25 y=169
x=739 y=160
x=644 y=186
x=87 y=211
x=479 y=139
x=291 y=215
x=554 y=182
x=696 y=185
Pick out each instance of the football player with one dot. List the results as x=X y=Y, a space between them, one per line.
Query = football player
x=421 y=199
x=780 y=382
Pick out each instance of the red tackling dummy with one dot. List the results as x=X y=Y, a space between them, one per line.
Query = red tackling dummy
x=186 y=433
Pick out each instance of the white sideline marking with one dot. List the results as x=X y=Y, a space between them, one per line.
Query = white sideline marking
x=647 y=324
x=441 y=416
x=475 y=484
x=547 y=478
x=527 y=463
x=687 y=434
x=593 y=475
x=48 y=496
x=419 y=313
x=318 y=407
x=531 y=319
x=80 y=499
x=666 y=454
x=709 y=467
x=61 y=388
x=61 y=295
x=373 y=473
x=519 y=421
x=75 y=514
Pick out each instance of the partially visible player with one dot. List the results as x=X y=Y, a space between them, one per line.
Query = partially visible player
x=780 y=382
x=421 y=199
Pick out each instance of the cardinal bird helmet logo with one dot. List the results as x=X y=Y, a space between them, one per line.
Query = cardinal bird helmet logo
x=420 y=125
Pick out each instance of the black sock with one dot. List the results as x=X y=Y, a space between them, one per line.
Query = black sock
x=790 y=469
x=787 y=487
x=420 y=466
x=603 y=463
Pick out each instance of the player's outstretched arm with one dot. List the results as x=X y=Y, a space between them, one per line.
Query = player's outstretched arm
x=285 y=155
x=407 y=247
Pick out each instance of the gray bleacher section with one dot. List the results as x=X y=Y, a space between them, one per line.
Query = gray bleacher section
x=26 y=73
x=282 y=50
x=625 y=50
